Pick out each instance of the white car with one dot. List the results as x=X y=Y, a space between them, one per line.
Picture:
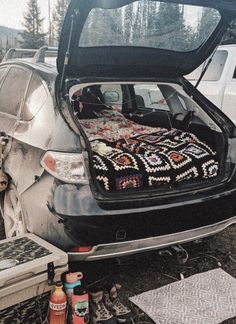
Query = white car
x=219 y=81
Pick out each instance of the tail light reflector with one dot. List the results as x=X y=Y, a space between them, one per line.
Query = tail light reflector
x=81 y=249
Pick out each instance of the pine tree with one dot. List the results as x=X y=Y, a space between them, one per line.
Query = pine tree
x=145 y=23
x=230 y=36
x=102 y=27
x=129 y=15
x=167 y=29
x=58 y=16
x=32 y=35
x=209 y=20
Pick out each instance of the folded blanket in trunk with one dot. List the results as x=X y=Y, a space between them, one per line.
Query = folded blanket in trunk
x=112 y=126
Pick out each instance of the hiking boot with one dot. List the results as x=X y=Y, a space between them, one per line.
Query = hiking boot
x=99 y=313
x=115 y=306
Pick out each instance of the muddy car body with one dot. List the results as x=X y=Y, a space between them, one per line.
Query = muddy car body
x=54 y=190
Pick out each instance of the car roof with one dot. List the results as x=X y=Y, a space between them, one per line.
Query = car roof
x=42 y=67
x=43 y=59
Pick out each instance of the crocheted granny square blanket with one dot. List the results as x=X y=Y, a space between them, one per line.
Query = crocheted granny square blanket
x=151 y=160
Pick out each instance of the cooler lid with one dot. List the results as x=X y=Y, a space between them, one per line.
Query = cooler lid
x=32 y=256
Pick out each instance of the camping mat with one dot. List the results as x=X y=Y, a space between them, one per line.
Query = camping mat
x=208 y=297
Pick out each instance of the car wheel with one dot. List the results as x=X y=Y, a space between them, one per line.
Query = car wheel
x=13 y=215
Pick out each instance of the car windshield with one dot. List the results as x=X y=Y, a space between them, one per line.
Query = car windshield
x=148 y=23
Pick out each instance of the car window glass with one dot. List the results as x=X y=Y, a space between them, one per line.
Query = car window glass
x=110 y=89
x=35 y=98
x=183 y=103
x=214 y=70
x=13 y=90
x=2 y=73
x=151 y=96
x=234 y=76
x=147 y=23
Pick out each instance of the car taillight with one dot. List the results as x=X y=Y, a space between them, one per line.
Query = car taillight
x=81 y=249
x=68 y=167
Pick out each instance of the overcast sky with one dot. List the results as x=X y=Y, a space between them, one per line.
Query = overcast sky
x=11 y=12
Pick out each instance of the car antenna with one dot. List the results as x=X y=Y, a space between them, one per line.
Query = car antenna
x=68 y=51
x=205 y=68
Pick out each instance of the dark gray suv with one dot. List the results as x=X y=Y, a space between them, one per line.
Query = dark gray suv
x=113 y=151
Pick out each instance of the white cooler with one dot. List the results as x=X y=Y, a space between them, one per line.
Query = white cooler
x=25 y=287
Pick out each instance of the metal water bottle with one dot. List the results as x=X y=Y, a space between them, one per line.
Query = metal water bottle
x=72 y=280
x=80 y=306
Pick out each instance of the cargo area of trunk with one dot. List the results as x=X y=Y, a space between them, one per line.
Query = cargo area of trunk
x=148 y=138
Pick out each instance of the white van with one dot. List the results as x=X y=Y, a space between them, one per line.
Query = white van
x=219 y=81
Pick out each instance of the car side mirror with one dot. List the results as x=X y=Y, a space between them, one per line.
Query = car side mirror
x=111 y=97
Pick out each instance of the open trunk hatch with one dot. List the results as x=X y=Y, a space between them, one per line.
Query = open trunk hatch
x=143 y=38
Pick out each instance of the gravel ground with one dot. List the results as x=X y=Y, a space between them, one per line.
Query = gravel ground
x=147 y=271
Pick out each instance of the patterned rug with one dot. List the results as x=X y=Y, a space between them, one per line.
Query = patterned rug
x=205 y=298
x=151 y=160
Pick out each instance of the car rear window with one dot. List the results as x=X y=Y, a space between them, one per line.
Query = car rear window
x=152 y=24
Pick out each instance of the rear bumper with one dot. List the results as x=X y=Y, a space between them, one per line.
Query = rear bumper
x=111 y=250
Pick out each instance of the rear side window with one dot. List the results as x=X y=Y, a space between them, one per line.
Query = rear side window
x=234 y=76
x=2 y=73
x=150 y=97
x=13 y=90
x=214 y=70
x=35 y=98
